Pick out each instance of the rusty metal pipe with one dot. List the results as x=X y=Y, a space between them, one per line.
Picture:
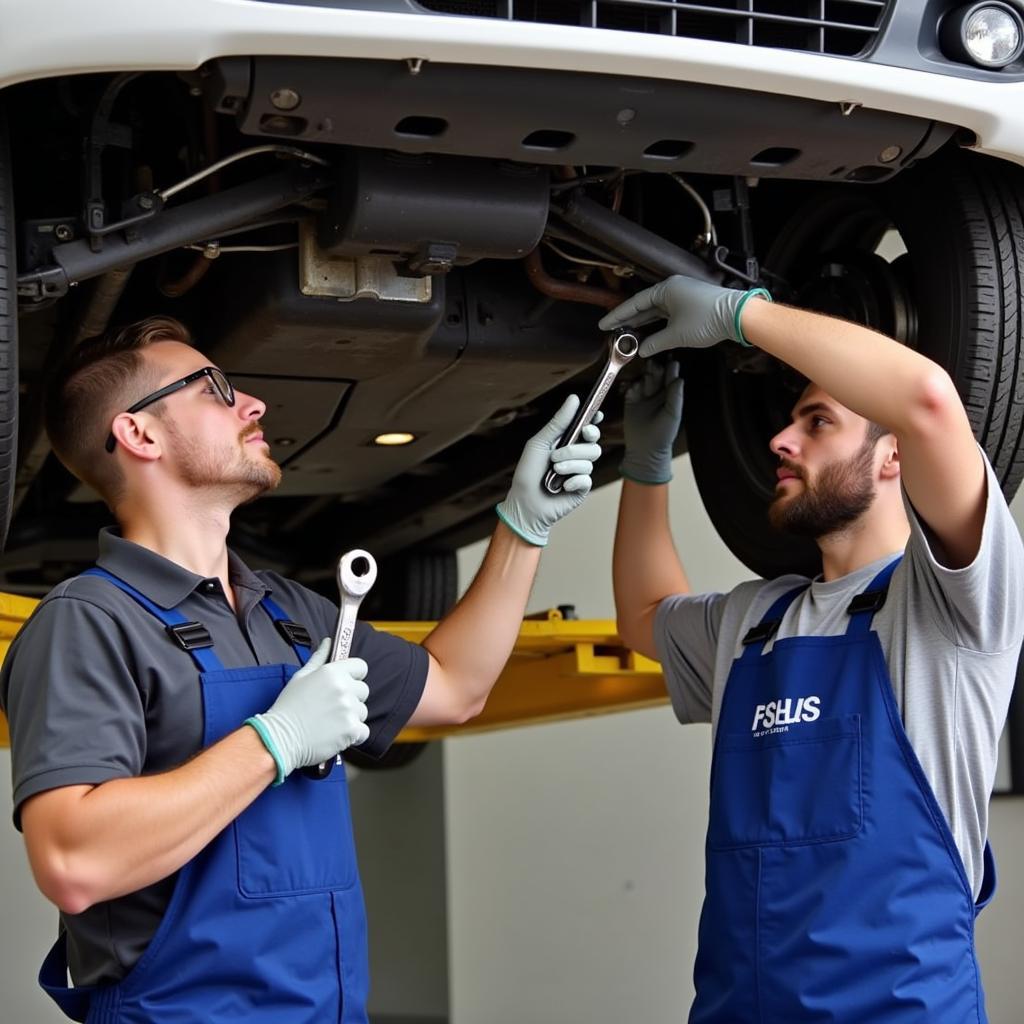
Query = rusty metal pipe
x=193 y=274
x=201 y=263
x=556 y=289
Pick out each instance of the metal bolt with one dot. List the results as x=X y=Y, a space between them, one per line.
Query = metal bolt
x=625 y=116
x=285 y=99
x=889 y=154
x=63 y=233
x=145 y=202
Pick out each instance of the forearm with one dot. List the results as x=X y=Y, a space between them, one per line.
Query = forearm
x=89 y=844
x=473 y=642
x=876 y=377
x=645 y=566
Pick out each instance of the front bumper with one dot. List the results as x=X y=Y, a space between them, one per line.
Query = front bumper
x=44 y=40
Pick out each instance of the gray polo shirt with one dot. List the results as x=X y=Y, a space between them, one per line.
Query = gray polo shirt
x=94 y=689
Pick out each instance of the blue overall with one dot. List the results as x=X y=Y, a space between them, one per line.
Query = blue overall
x=834 y=889
x=266 y=923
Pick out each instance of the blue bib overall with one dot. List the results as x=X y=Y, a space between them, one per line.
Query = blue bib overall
x=266 y=924
x=834 y=889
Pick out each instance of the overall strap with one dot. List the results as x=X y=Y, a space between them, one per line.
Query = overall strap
x=863 y=607
x=53 y=978
x=190 y=636
x=298 y=636
x=757 y=636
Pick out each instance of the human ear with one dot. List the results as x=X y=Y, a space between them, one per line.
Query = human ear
x=891 y=463
x=134 y=434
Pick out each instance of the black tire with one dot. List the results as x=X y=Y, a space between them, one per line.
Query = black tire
x=8 y=335
x=431 y=584
x=416 y=587
x=956 y=296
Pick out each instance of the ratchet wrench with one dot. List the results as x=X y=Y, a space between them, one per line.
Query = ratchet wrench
x=357 y=572
x=621 y=350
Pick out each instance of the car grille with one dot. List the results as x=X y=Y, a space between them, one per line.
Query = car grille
x=844 y=28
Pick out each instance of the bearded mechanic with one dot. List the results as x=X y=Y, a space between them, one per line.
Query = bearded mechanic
x=199 y=876
x=856 y=716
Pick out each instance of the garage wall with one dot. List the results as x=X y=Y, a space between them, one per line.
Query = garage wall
x=575 y=850
x=28 y=924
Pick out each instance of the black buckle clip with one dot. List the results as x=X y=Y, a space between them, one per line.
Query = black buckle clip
x=294 y=633
x=869 y=601
x=762 y=632
x=190 y=635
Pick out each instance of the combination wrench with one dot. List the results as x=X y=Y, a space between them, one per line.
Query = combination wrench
x=620 y=351
x=357 y=572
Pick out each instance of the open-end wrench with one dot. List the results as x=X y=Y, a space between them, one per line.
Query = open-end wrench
x=357 y=572
x=620 y=351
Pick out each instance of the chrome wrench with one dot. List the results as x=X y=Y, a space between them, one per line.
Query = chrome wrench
x=620 y=351
x=357 y=572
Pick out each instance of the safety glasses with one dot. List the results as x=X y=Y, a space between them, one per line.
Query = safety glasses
x=217 y=378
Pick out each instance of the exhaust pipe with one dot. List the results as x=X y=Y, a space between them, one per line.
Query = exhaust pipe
x=635 y=243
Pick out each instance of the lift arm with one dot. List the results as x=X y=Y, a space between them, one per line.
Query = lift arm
x=560 y=668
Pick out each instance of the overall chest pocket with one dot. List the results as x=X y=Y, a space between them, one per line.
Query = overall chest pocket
x=294 y=838
x=800 y=786
x=297 y=838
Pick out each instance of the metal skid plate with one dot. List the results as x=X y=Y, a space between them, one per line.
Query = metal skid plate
x=373 y=277
x=535 y=117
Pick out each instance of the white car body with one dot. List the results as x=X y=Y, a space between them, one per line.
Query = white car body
x=81 y=36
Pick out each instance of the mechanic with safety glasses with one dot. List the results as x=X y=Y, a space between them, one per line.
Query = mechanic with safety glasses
x=856 y=716
x=161 y=704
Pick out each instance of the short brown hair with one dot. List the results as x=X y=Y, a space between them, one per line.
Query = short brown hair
x=100 y=378
x=875 y=433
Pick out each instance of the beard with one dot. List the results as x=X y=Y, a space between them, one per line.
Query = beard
x=842 y=493
x=235 y=470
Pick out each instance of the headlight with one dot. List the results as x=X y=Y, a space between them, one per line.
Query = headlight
x=989 y=34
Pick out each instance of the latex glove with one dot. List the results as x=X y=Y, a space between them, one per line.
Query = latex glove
x=529 y=510
x=320 y=712
x=651 y=418
x=699 y=314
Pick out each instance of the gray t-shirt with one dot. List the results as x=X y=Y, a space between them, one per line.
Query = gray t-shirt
x=951 y=639
x=94 y=689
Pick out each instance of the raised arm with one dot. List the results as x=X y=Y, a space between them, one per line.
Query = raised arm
x=471 y=645
x=884 y=381
x=876 y=377
x=645 y=566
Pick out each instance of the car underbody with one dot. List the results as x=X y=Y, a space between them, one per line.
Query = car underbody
x=380 y=246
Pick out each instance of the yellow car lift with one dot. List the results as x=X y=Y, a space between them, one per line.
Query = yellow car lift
x=560 y=668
